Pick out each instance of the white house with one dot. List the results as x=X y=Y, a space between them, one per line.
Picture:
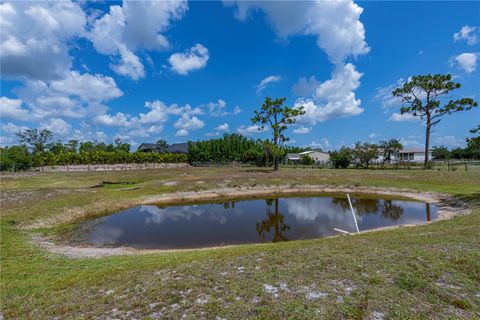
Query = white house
x=316 y=155
x=412 y=155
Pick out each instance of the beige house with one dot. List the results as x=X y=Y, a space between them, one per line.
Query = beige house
x=317 y=155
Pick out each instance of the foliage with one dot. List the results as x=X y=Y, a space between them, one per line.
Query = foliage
x=364 y=153
x=36 y=139
x=229 y=148
x=440 y=153
x=341 y=158
x=278 y=117
x=307 y=160
x=163 y=144
x=390 y=147
x=15 y=158
x=421 y=96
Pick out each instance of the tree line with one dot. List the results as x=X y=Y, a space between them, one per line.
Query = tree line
x=38 y=149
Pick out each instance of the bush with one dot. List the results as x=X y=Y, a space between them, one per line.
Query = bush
x=341 y=158
x=307 y=160
x=15 y=158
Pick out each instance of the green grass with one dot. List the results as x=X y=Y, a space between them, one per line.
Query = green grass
x=421 y=272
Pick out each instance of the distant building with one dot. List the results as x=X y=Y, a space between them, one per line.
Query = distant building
x=412 y=155
x=317 y=155
x=155 y=147
x=292 y=158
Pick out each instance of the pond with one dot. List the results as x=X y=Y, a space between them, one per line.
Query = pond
x=247 y=221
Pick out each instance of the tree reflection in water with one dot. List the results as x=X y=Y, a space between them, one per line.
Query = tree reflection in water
x=274 y=220
x=372 y=206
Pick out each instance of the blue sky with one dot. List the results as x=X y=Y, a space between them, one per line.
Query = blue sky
x=193 y=70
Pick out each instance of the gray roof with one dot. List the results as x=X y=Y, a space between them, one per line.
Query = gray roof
x=413 y=150
x=149 y=146
x=293 y=156
x=178 y=148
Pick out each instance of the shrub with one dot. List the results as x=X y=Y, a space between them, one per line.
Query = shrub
x=307 y=160
x=341 y=158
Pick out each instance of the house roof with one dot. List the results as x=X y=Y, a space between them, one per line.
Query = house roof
x=293 y=156
x=178 y=148
x=149 y=146
x=311 y=151
x=413 y=150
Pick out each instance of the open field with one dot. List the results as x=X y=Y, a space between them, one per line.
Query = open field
x=425 y=272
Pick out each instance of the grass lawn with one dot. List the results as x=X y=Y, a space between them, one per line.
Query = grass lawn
x=424 y=272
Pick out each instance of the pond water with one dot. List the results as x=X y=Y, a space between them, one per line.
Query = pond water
x=247 y=221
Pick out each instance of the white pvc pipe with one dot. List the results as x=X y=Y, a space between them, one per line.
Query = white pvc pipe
x=353 y=213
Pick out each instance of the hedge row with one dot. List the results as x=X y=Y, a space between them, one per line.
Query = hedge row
x=105 y=157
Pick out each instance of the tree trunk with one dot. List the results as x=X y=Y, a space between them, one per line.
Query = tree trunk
x=275 y=158
x=427 y=142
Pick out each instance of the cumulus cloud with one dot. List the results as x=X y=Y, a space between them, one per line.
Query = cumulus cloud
x=406 y=117
x=248 y=130
x=468 y=34
x=223 y=127
x=265 y=82
x=192 y=59
x=306 y=87
x=466 y=61
x=333 y=98
x=217 y=109
x=34 y=38
x=186 y=123
x=12 y=109
x=323 y=144
x=57 y=126
x=131 y=27
x=302 y=130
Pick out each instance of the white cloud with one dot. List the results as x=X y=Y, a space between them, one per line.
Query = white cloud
x=189 y=123
x=468 y=34
x=323 y=144
x=119 y=120
x=306 y=87
x=333 y=98
x=386 y=98
x=398 y=117
x=192 y=59
x=250 y=129
x=57 y=126
x=87 y=87
x=131 y=27
x=182 y=133
x=237 y=110
x=335 y=23
x=466 y=61
x=34 y=38
x=302 y=130
x=12 y=109
x=223 y=127
x=268 y=80
x=217 y=109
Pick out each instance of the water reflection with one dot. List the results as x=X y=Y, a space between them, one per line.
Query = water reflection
x=274 y=220
x=250 y=221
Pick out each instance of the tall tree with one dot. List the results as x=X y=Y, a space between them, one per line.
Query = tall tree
x=38 y=140
x=278 y=116
x=422 y=96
